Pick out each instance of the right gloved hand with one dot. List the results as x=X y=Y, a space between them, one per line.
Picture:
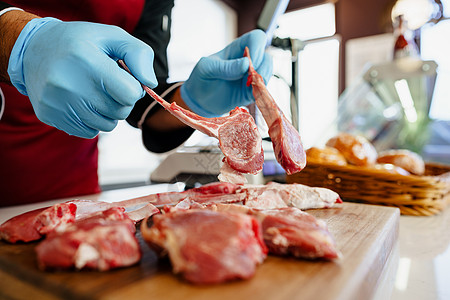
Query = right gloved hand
x=218 y=82
x=70 y=74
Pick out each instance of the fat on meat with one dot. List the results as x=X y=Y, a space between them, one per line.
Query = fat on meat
x=208 y=247
x=286 y=140
x=103 y=241
x=230 y=175
x=277 y=195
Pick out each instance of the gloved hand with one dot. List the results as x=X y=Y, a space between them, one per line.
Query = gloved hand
x=218 y=82
x=70 y=74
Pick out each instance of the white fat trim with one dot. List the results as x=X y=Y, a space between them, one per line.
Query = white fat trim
x=85 y=254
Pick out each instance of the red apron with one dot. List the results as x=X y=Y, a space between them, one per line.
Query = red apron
x=39 y=162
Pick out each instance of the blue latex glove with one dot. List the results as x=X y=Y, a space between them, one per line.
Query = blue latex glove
x=218 y=82
x=69 y=72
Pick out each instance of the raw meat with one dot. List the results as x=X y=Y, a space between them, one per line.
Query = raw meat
x=208 y=247
x=33 y=225
x=276 y=195
x=238 y=135
x=103 y=241
x=285 y=138
x=270 y=195
x=204 y=200
x=210 y=190
x=290 y=231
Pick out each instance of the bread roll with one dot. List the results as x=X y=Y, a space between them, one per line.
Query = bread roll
x=325 y=155
x=405 y=159
x=392 y=169
x=356 y=149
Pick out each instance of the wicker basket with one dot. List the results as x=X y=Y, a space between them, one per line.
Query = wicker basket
x=414 y=195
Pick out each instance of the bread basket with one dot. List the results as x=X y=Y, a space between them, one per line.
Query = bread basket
x=414 y=195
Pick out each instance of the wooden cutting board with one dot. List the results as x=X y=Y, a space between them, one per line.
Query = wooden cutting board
x=365 y=234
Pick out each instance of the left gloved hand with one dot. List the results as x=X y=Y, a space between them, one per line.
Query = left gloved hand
x=218 y=82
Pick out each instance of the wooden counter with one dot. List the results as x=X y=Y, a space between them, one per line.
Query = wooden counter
x=365 y=235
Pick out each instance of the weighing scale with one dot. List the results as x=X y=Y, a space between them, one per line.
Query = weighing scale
x=199 y=165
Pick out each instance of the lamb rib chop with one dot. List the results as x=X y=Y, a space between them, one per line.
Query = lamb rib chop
x=285 y=138
x=238 y=135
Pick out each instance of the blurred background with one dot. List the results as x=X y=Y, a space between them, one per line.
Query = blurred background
x=377 y=68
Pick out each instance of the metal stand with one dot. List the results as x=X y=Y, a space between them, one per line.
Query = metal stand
x=295 y=46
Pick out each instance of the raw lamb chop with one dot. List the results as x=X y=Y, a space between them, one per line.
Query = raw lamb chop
x=103 y=241
x=285 y=138
x=208 y=247
x=276 y=195
x=238 y=135
x=33 y=225
x=290 y=231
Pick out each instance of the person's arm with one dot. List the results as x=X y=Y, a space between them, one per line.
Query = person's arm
x=11 y=24
x=69 y=72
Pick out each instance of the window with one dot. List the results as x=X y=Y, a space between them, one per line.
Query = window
x=318 y=69
x=435 y=45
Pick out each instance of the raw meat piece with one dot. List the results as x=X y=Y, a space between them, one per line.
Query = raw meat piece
x=273 y=195
x=214 y=188
x=228 y=174
x=290 y=231
x=208 y=247
x=103 y=241
x=171 y=198
x=32 y=225
x=238 y=135
x=86 y=208
x=204 y=200
x=285 y=138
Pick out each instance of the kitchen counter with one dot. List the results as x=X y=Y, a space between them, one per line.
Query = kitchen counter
x=418 y=268
x=420 y=265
